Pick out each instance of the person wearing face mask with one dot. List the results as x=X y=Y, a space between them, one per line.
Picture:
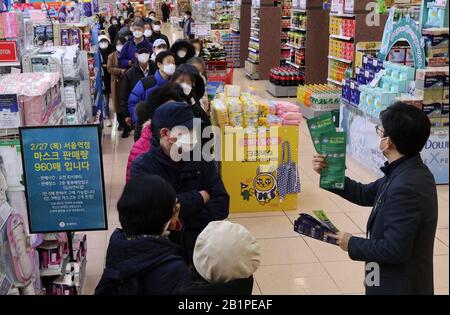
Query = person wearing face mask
x=113 y=28
x=166 y=67
x=143 y=68
x=141 y=259
x=198 y=45
x=200 y=191
x=148 y=31
x=402 y=225
x=157 y=33
x=117 y=74
x=187 y=25
x=183 y=51
x=194 y=89
x=170 y=92
x=105 y=49
x=152 y=16
x=159 y=45
x=128 y=53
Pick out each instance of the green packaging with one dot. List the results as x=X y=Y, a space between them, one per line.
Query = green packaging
x=319 y=125
x=321 y=215
x=333 y=147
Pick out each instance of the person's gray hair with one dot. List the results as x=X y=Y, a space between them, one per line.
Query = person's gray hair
x=199 y=60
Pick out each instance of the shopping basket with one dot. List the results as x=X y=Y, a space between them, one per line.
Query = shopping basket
x=220 y=71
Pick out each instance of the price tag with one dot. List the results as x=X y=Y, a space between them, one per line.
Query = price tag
x=352 y=85
x=375 y=62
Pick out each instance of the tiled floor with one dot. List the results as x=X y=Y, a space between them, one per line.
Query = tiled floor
x=291 y=264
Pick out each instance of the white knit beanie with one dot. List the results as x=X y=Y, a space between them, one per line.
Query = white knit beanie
x=226 y=251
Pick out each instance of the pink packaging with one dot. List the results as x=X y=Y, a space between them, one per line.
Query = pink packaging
x=10 y=27
x=287 y=107
x=290 y=116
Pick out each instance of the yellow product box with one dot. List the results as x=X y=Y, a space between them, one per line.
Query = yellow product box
x=220 y=113
x=232 y=90
x=236 y=119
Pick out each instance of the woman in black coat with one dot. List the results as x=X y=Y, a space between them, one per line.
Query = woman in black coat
x=113 y=28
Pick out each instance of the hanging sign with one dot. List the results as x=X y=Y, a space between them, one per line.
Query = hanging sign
x=64 y=183
x=404 y=29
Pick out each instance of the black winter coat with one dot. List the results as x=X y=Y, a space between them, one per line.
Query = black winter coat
x=146 y=265
x=132 y=76
x=401 y=227
x=188 y=178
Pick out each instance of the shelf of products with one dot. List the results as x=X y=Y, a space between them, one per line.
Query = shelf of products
x=347 y=28
x=264 y=46
x=308 y=52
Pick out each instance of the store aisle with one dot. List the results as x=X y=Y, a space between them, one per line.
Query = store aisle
x=291 y=264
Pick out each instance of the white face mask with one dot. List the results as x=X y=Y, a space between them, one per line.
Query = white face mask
x=137 y=34
x=187 y=88
x=169 y=69
x=114 y=22
x=156 y=28
x=197 y=53
x=185 y=17
x=186 y=142
x=103 y=45
x=143 y=58
x=119 y=48
x=182 y=53
x=381 y=149
x=148 y=33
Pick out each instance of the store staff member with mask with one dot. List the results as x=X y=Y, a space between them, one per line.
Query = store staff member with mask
x=398 y=250
x=128 y=53
x=199 y=187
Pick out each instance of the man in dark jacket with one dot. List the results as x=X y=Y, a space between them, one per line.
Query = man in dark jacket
x=142 y=69
x=156 y=34
x=200 y=190
x=398 y=250
x=140 y=260
x=142 y=89
x=128 y=53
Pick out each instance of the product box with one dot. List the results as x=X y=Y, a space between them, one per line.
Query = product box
x=10 y=111
x=434 y=112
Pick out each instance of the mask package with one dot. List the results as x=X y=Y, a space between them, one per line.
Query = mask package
x=316 y=228
x=332 y=144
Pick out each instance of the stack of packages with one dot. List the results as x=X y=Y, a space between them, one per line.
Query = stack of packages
x=236 y=109
x=319 y=97
x=214 y=52
x=66 y=61
x=289 y=113
x=37 y=97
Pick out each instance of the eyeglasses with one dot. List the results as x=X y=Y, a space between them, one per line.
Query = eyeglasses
x=379 y=130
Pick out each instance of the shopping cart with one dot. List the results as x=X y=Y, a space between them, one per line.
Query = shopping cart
x=220 y=71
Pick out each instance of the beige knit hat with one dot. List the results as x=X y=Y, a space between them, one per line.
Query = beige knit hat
x=226 y=251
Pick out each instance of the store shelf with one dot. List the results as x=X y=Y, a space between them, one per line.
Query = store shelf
x=254 y=39
x=9 y=64
x=294 y=64
x=252 y=76
x=298 y=29
x=253 y=49
x=340 y=59
x=254 y=29
x=343 y=15
x=252 y=61
x=334 y=81
x=256 y=18
x=298 y=10
x=341 y=37
x=49 y=272
x=295 y=46
x=234 y=30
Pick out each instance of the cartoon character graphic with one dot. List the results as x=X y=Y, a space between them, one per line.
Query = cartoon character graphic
x=265 y=186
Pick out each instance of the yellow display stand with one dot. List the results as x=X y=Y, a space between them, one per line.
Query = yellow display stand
x=249 y=167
